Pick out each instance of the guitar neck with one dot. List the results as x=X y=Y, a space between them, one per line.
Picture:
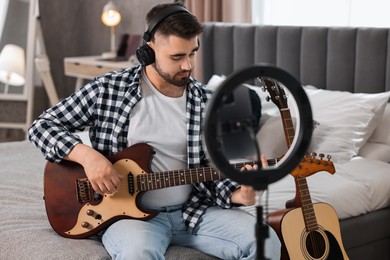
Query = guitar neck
x=306 y=204
x=288 y=126
x=302 y=198
x=160 y=180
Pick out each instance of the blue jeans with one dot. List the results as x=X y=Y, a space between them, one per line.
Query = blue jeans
x=224 y=233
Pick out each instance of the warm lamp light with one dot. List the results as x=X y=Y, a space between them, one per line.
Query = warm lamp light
x=12 y=66
x=111 y=17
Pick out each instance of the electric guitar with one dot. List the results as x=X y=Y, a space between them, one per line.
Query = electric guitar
x=305 y=230
x=74 y=210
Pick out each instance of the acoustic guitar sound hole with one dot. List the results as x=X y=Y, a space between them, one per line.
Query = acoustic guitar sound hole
x=315 y=244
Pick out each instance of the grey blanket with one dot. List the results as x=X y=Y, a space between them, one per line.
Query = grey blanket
x=25 y=232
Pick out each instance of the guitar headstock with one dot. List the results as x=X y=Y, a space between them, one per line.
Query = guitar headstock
x=276 y=92
x=310 y=164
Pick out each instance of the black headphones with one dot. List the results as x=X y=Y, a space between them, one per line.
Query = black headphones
x=145 y=54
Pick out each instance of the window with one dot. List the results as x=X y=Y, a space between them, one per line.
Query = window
x=355 y=13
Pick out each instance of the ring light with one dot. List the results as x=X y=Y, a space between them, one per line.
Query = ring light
x=259 y=179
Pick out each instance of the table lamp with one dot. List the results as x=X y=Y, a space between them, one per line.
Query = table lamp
x=12 y=66
x=111 y=17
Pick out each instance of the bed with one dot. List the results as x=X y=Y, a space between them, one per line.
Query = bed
x=323 y=59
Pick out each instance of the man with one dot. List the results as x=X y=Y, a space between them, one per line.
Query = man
x=157 y=103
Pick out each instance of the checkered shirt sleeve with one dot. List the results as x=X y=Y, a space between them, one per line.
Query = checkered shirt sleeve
x=103 y=105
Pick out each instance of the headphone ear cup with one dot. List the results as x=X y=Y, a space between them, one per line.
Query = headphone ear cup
x=145 y=55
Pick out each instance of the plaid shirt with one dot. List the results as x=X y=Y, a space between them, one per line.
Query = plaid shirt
x=104 y=105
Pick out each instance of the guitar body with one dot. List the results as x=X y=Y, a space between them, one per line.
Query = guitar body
x=297 y=243
x=74 y=210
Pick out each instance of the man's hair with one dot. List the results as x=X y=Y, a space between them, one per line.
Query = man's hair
x=181 y=24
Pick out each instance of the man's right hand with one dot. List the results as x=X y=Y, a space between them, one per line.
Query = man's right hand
x=104 y=178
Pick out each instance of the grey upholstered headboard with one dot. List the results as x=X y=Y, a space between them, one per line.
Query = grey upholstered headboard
x=351 y=59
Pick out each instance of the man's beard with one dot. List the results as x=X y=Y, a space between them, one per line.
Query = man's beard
x=174 y=80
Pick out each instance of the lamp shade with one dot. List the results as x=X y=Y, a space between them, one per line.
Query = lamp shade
x=12 y=65
x=111 y=16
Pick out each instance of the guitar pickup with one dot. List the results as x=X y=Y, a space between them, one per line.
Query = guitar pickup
x=83 y=189
x=130 y=182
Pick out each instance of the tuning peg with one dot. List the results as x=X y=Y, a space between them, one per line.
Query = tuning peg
x=261 y=84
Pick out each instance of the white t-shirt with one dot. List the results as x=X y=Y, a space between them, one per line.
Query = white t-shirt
x=160 y=121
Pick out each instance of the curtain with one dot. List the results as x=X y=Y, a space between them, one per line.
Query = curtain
x=221 y=10
x=218 y=11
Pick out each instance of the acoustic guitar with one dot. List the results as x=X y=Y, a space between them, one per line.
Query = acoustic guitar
x=306 y=230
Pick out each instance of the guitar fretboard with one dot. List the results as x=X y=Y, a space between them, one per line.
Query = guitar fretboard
x=301 y=183
x=288 y=125
x=160 y=180
x=307 y=206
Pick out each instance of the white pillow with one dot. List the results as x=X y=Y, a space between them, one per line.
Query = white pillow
x=378 y=145
x=376 y=151
x=382 y=132
x=215 y=81
x=271 y=138
x=346 y=121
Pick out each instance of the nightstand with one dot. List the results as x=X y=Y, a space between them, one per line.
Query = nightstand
x=88 y=67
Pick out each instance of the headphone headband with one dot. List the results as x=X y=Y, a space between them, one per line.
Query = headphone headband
x=164 y=13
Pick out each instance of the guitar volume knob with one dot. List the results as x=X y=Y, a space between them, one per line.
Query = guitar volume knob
x=85 y=224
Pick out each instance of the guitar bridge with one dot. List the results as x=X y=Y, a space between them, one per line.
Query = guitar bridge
x=83 y=187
